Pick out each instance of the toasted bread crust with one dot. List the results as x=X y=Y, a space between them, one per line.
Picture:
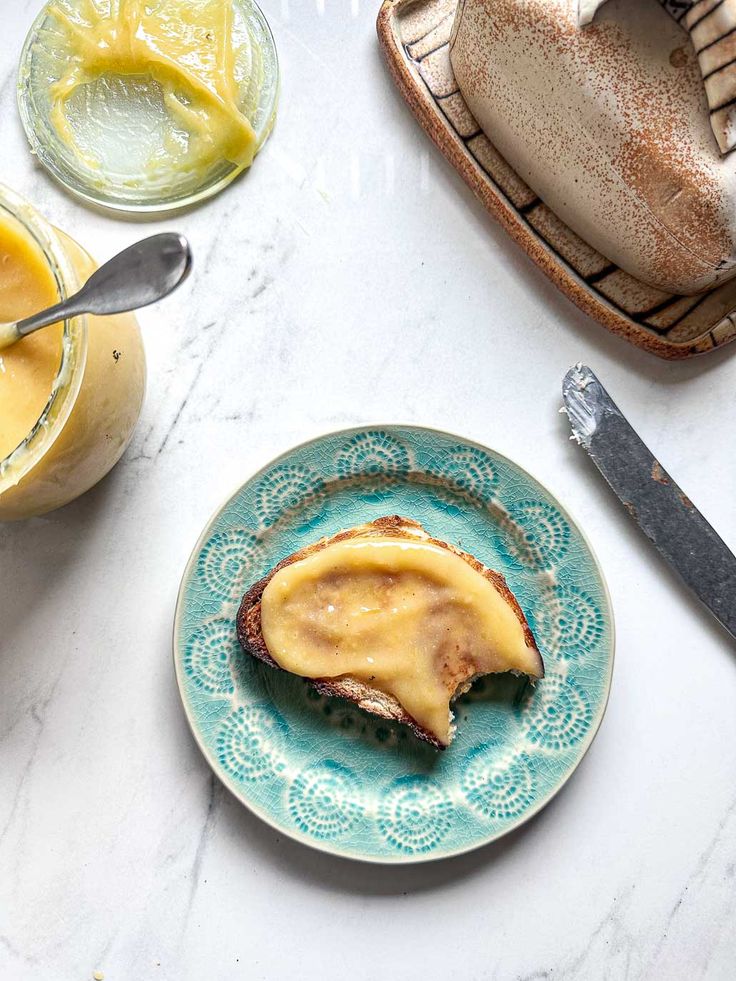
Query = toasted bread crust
x=372 y=700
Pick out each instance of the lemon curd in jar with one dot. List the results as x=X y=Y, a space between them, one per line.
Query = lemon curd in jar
x=29 y=367
x=70 y=394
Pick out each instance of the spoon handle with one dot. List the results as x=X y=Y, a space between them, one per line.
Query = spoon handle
x=60 y=311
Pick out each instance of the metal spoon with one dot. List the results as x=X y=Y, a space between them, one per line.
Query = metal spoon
x=139 y=275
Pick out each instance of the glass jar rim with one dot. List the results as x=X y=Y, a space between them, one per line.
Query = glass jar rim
x=66 y=385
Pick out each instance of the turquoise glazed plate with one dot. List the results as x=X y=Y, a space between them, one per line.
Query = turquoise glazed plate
x=320 y=769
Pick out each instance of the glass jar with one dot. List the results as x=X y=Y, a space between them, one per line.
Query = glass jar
x=96 y=396
x=124 y=120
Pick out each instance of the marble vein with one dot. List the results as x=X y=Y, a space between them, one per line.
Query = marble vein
x=214 y=799
x=37 y=714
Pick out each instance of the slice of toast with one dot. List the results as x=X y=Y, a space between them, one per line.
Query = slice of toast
x=369 y=698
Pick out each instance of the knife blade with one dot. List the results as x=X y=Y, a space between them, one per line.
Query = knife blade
x=662 y=510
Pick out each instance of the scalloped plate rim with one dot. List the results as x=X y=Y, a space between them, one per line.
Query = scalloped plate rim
x=325 y=846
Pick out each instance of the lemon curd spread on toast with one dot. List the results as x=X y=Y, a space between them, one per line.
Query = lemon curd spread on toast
x=399 y=614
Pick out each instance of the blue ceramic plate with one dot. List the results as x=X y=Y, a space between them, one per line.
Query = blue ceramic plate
x=323 y=771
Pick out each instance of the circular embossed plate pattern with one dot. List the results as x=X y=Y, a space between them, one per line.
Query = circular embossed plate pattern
x=323 y=771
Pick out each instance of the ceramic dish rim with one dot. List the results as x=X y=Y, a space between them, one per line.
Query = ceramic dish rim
x=327 y=847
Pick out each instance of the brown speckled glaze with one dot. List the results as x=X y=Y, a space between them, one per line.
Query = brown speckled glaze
x=712 y=26
x=650 y=310
x=611 y=135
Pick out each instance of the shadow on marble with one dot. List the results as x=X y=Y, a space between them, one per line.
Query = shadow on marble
x=36 y=553
x=337 y=873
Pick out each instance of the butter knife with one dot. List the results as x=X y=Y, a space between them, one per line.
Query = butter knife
x=664 y=513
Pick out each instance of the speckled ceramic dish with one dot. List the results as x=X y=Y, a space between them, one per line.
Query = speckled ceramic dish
x=323 y=771
x=416 y=36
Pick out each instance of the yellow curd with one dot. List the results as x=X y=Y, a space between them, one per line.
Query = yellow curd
x=186 y=47
x=70 y=394
x=27 y=368
x=411 y=619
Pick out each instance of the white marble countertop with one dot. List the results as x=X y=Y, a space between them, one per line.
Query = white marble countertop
x=350 y=278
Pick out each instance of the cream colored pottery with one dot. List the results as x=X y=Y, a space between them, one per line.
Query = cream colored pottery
x=415 y=37
x=609 y=124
